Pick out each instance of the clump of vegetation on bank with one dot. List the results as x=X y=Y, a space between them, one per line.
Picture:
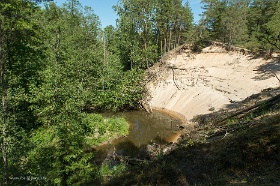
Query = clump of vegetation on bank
x=99 y=130
x=94 y=131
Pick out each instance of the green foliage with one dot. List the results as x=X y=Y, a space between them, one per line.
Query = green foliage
x=60 y=153
x=123 y=93
x=56 y=62
x=116 y=170
x=226 y=20
x=272 y=29
x=20 y=62
x=53 y=64
x=147 y=29
x=72 y=76
x=60 y=160
x=232 y=121
x=108 y=171
x=259 y=15
x=250 y=23
x=100 y=130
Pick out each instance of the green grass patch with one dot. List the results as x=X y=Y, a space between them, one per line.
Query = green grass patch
x=100 y=129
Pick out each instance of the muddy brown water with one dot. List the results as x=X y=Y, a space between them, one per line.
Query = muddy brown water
x=145 y=128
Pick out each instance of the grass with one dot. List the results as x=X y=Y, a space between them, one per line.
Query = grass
x=248 y=155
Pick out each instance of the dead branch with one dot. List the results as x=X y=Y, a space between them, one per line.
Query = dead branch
x=275 y=75
x=267 y=103
x=128 y=160
x=176 y=68
x=174 y=80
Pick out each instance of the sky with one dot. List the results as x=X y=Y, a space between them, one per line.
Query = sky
x=103 y=9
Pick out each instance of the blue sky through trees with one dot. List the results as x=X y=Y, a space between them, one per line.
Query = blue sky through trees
x=103 y=9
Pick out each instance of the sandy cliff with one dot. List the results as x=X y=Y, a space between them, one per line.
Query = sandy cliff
x=191 y=84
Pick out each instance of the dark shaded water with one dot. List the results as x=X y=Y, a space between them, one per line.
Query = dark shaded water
x=144 y=128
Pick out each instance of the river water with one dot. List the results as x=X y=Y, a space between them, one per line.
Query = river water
x=144 y=128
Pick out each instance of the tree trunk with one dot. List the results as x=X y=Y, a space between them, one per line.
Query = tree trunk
x=170 y=40
x=161 y=52
x=179 y=37
x=145 y=44
x=165 y=42
x=3 y=116
x=160 y=42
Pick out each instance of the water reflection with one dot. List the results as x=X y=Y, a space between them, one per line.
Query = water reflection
x=145 y=128
x=148 y=127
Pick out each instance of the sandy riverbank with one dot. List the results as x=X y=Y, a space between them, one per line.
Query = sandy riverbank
x=189 y=84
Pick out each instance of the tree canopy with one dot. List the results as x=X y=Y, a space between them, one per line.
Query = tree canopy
x=59 y=69
x=249 y=23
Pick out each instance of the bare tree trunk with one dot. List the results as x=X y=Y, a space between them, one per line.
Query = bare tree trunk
x=160 y=41
x=3 y=116
x=179 y=37
x=145 y=46
x=165 y=42
x=174 y=43
x=170 y=40
x=161 y=52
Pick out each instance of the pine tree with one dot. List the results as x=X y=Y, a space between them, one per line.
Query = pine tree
x=226 y=20
x=273 y=31
x=260 y=13
x=151 y=28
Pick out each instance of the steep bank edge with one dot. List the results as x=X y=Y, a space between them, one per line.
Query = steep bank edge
x=190 y=84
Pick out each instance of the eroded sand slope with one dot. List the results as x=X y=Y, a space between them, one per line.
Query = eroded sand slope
x=192 y=84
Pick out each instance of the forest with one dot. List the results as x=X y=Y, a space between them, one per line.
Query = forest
x=60 y=70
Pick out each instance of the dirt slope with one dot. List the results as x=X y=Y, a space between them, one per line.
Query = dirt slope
x=192 y=84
